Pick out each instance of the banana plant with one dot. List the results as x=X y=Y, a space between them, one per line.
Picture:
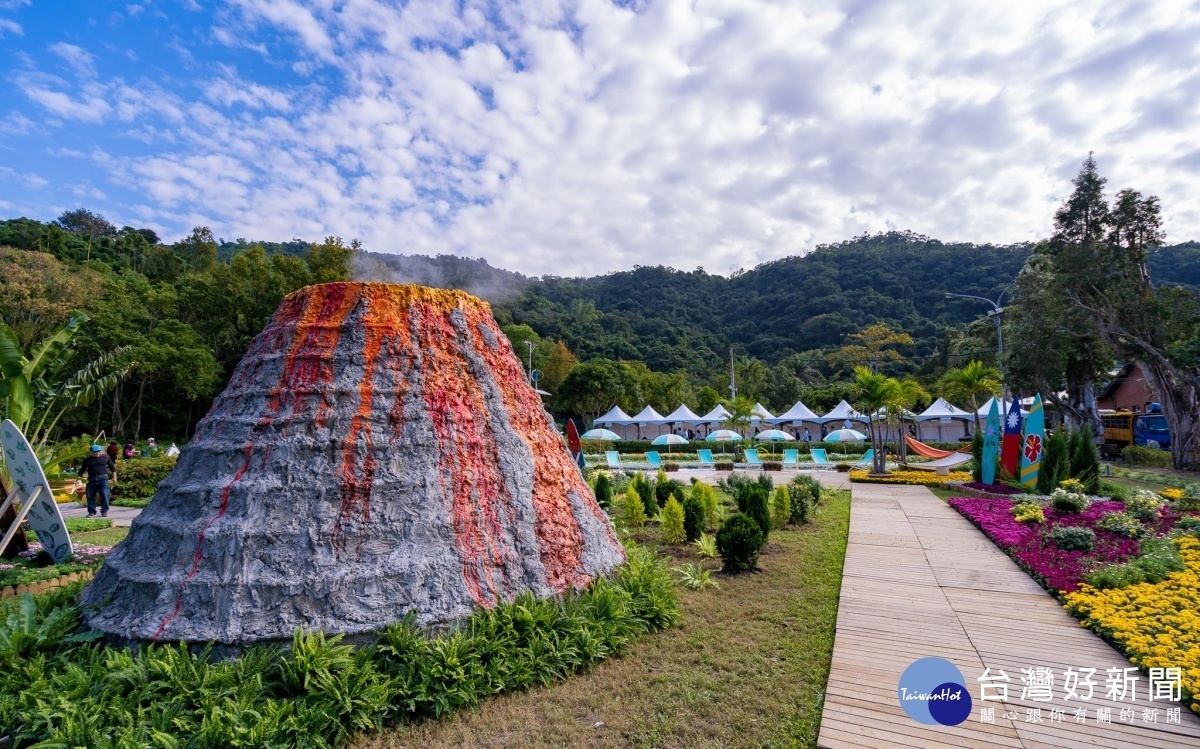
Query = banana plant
x=19 y=372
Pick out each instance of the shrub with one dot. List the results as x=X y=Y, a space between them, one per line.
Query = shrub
x=810 y=485
x=1190 y=501
x=645 y=490
x=137 y=479
x=1028 y=512
x=707 y=497
x=739 y=541
x=671 y=520
x=766 y=482
x=802 y=504
x=1119 y=492
x=757 y=509
x=1121 y=523
x=1056 y=461
x=1073 y=538
x=1158 y=557
x=1085 y=460
x=1075 y=486
x=781 y=507
x=666 y=488
x=1068 y=502
x=1136 y=455
x=723 y=466
x=670 y=467
x=1144 y=505
x=772 y=465
x=603 y=490
x=633 y=508
x=1188 y=523
x=694 y=518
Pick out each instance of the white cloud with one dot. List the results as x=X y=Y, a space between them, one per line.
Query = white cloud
x=577 y=136
x=80 y=60
x=8 y=26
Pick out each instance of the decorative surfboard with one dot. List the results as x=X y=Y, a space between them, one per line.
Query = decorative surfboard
x=1010 y=445
x=991 y=444
x=29 y=482
x=1033 y=444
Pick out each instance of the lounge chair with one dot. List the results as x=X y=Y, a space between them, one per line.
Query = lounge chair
x=752 y=457
x=866 y=461
x=791 y=458
x=706 y=459
x=820 y=459
x=653 y=458
x=614 y=459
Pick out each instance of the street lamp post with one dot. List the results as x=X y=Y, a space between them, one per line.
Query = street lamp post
x=995 y=313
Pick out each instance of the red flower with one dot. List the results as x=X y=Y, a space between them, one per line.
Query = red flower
x=1033 y=448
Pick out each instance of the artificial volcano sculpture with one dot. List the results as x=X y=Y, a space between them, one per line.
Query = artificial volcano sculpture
x=377 y=451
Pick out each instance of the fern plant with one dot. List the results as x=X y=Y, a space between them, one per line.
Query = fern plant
x=694 y=576
x=707 y=545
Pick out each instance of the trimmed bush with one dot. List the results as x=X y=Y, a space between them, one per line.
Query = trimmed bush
x=633 y=508
x=694 y=518
x=707 y=497
x=666 y=488
x=1072 y=538
x=739 y=541
x=1136 y=455
x=139 y=478
x=671 y=522
x=603 y=490
x=781 y=507
x=757 y=508
x=1068 y=502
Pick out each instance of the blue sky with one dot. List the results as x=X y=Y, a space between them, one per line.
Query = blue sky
x=581 y=136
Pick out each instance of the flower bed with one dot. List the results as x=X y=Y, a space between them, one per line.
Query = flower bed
x=992 y=488
x=916 y=478
x=1155 y=625
x=25 y=568
x=1061 y=571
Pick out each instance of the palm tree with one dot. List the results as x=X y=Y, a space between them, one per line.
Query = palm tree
x=967 y=384
x=740 y=409
x=872 y=392
x=908 y=393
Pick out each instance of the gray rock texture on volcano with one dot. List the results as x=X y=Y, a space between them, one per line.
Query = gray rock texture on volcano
x=376 y=452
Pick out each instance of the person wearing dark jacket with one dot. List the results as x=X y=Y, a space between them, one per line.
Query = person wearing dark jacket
x=99 y=467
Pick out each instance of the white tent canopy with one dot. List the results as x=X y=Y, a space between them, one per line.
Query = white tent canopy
x=682 y=415
x=798 y=412
x=941 y=409
x=1004 y=406
x=614 y=416
x=842 y=412
x=760 y=413
x=647 y=416
x=717 y=415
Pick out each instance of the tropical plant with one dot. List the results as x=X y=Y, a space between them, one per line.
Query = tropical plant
x=739 y=541
x=872 y=392
x=972 y=384
x=741 y=410
x=694 y=576
x=707 y=546
x=906 y=395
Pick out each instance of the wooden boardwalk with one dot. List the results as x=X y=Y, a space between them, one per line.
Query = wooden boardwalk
x=919 y=580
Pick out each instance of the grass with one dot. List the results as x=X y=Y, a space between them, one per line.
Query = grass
x=106 y=537
x=21 y=571
x=746 y=667
x=944 y=494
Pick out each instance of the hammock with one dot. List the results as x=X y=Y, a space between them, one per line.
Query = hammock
x=925 y=451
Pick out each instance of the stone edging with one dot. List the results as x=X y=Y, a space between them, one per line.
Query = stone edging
x=41 y=586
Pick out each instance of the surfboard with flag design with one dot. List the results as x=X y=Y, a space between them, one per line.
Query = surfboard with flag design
x=1010 y=447
x=1033 y=444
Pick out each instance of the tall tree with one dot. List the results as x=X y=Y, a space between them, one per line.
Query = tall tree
x=872 y=392
x=873 y=346
x=82 y=221
x=594 y=387
x=200 y=248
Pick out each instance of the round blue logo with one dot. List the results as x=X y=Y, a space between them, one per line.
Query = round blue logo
x=932 y=691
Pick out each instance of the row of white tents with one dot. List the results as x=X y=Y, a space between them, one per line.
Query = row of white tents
x=941 y=422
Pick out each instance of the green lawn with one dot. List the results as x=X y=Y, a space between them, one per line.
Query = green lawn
x=747 y=666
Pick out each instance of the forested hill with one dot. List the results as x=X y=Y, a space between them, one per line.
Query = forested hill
x=674 y=319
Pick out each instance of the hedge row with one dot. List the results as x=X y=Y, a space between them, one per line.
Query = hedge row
x=641 y=446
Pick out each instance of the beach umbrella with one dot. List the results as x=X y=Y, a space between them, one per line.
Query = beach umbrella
x=668 y=440
x=723 y=435
x=774 y=435
x=599 y=434
x=845 y=435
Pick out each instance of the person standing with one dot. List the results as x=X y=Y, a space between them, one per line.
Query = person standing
x=152 y=446
x=114 y=450
x=99 y=467
x=128 y=450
